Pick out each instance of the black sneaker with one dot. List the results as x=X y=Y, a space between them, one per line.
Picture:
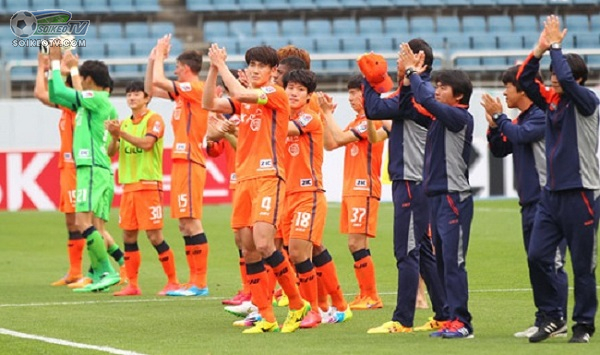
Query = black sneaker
x=581 y=334
x=549 y=328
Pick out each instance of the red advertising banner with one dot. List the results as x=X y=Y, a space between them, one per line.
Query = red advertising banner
x=30 y=180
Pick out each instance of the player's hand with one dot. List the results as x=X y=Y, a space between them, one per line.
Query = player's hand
x=412 y=60
x=70 y=60
x=54 y=50
x=325 y=102
x=553 y=31
x=217 y=55
x=113 y=127
x=152 y=55
x=243 y=78
x=162 y=46
x=43 y=61
x=490 y=104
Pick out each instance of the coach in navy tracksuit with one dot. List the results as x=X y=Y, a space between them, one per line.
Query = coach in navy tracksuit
x=524 y=139
x=569 y=204
x=412 y=246
x=446 y=179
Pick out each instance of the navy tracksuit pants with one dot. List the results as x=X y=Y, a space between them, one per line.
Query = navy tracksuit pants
x=413 y=252
x=528 y=213
x=451 y=215
x=570 y=215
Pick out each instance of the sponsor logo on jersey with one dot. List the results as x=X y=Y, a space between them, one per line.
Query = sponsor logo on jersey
x=185 y=86
x=133 y=150
x=306 y=182
x=266 y=163
x=180 y=147
x=362 y=127
x=360 y=183
x=305 y=119
x=84 y=153
x=268 y=89
x=87 y=94
x=294 y=149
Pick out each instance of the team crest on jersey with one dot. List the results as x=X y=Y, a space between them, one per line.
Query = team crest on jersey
x=185 y=86
x=180 y=147
x=354 y=150
x=305 y=120
x=294 y=149
x=87 y=94
x=362 y=127
x=360 y=183
x=268 y=89
x=306 y=182
x=255 y=124
x=84 y=153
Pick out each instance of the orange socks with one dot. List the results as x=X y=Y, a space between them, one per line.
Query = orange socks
x=286 y=278
x=245 y=286
x=308 y=282
x=196 y=252
x=132 y=263
x=365 y=273
x=259 y=288
x=167 y=260
x=75 y=248
x=328 y=278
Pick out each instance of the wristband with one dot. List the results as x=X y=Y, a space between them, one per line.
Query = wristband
x=409 y=72
x=496 y=116
x=55 y=64
x=74 y=71
x=555 y=45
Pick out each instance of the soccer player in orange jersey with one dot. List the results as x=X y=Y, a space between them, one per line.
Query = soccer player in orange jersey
x=139 y=141
x=66 y=166
x=188 y=175
x=361 y=190
x=257 y=204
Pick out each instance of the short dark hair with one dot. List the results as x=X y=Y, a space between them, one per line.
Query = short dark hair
x=304 y=77
x=192 y=59
x=69 y=80
x=355 y=82
x=136 y=86
x=458 y=80
x=578 y=67
x=262 y=54
x=419 y=44
x=98 y=71
x=293 y=63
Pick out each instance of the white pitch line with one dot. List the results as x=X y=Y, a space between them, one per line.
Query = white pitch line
x=106 y=349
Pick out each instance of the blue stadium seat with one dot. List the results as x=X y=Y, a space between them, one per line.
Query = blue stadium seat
x=406 y=3
x=176 y=46
x=509 y=2
x=473 y=24
x=318 y=28
x=96 y=6
x=199 y=5
x=329 y=4
x=354 y=44
x=142 y=47
x=458 y=42
x=344 y=26
x=70 y=5
x=42 y=4
x=231 y=44
x=292 y=27
x=147 y=5
x=586 y=2
x=276 y=5
x=379 y=3
x=381 y=43
x=354 y=3
x=159 y=29
x=96 y=50
x=421 y=24
x=595 y=23
x=536 y=2
x=483 y=41
x=252 y=5
x=110 y=30
x=525 y=23
x=447 y=24
x=458 y=2
x=275 y=42
x=577 y=22
x=226 y=5
x=215 y=28
x=499 y=23
x=137 y=30
x=437 y=41
x=302 y=4
x=266 y=28
x=241 y=28
x=396 y=26
x=431 y=2
x=484 y=2
x=370 y=25
x=339 y=66
x=587 y=40
x=303 y=42
x=510 y=40
x=122 y=6
x=327 y=45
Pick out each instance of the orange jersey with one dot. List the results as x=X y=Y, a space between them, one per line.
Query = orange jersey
x=215 y=149
x=65 y=127
x=304 y=154
x=362 y=162
x=189 y=121
x=262 y=134
x=313 y=104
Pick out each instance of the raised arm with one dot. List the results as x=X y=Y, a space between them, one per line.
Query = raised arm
x=210 y=101
x=337 y=137
x=58 y=92
x=148 y=78
x=40 y=91
x=378 y=108
x=159 y=80
x=378 y=134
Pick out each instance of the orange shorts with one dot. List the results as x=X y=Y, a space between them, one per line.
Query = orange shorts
x=68 y=186
x=257 y=200
x=141 y=210
x=359 y=215
x=187 y=189
x=304 y=217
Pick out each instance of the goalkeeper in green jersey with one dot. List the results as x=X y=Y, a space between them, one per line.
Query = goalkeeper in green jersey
x=94 y=179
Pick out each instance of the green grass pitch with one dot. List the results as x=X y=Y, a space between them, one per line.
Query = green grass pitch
x=33 y=254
